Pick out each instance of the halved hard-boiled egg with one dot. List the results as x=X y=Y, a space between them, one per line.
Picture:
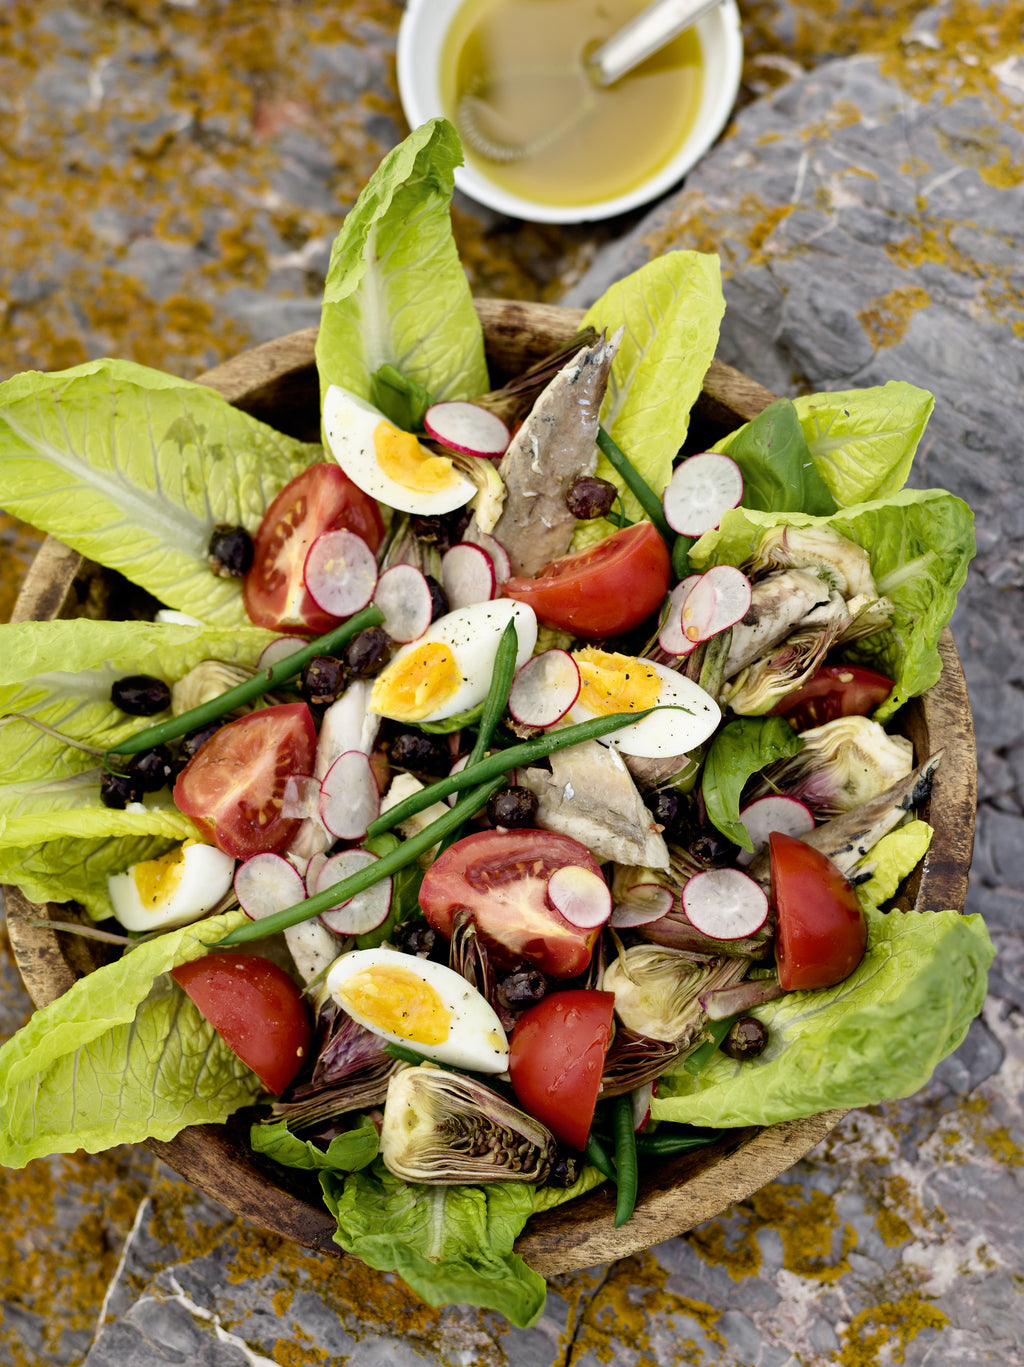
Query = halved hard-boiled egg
x=387 y=463
x=172 y=890
x=447 y=670
x=622 y=683
x=422 y=1004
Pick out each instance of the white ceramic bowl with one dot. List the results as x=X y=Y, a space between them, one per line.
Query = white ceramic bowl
x=421 y=38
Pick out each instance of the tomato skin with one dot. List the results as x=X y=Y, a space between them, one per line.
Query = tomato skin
x=822 y=932
x=500 y=879
x=834 y=691
x=556 y=1058
x=255 y=1008
x=233 y=786
x=322 y=498
x=602 y=591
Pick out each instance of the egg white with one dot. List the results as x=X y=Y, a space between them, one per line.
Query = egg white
x=473 y=635
x=178 y=888
x=350 y=425
x=693 y=719
x=474 y=1037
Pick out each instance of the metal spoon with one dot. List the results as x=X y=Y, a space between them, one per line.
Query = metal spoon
x=648 y=32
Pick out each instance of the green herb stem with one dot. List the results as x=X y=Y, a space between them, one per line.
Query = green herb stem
x=262 y=682
x=626 y=1168
x=638 y=486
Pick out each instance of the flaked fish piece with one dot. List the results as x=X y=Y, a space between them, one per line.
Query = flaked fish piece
x=555 y=446
x=590 y=796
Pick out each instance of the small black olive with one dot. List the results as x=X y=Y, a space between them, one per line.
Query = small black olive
x=416 y=937
x=323 y=679
x=230 y=551
x=565 y=1170
x=512 y=806
x=421 y=753
x=191 y=742
x=747 y=1038
x=438 y=598
x=140 y=695
x=590 y=497
x=521 y=988
x=668 y=809
x=117 y=790
x=151 y=770
x=368 y=652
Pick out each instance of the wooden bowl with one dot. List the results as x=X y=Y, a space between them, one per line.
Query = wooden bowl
x=278 y=383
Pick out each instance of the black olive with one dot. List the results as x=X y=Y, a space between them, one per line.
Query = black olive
x=747 y=1038
x=433 y=530
x=512 y=806
x=117 y=790
x=191 y=742
x=421 y=753
x=151 y=770
x=590 y=497
x=230 y=551
x=438 y=598
x=668 y=809
x=416 y=937
x=323 y=679
x=522 y=988
x=140 y=695
x=368 y=652
x=565 y=1170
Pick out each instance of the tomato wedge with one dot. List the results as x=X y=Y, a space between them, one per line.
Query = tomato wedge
x=233 y=786
x=500 y=878
x=822 y=932
x=602 y=591
x=255 y=1008
x=320 y=499
x=556 y=1058
x=834 y=691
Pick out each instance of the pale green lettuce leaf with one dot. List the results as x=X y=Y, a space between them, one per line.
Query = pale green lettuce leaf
x=451 y=1244
x=920 y=543
x=396 y=293
x=135 y=468
x=35 y=810
x=346 y=1152
x=877 y=1036
x=891 y=859
x=76 y=870
x=123 y=1056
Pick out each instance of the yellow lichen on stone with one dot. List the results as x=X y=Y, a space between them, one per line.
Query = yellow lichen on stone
x=806 y=1223
x=886 y=319
x=882 y=1332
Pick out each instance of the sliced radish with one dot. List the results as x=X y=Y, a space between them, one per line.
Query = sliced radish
x=280 y=650
x=671 y=638
x=644 y=903
x=340 y=572
x=267 y=883
x=403 y=596
x=312 y=872
x=724 y=904
x=701 y=489
x=640 y=1102
x=583 y=897
x=544 y=689
x=774 y=812
x=494 y=548
x=349 y=796
x=466 y=427
x=362 y=913
x=301 y=797
x=718 y=600
x=467 y=575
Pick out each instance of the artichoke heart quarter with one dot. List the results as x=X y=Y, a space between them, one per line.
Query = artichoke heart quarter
x=442 y=1127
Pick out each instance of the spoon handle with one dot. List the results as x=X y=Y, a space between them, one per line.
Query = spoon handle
x=652 y=28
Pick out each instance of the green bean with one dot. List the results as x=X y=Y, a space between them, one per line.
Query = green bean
x=638 y=486
x=376 y=872
x=662 y=1145
x=260 y=683
x=627 y=1175
x=597 y=1157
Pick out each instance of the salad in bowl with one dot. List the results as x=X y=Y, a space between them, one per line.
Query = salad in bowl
x=499 y=804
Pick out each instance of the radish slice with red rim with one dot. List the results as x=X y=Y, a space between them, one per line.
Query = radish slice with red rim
x=349 y=796
x=403 y=596
x=467 y=575
x=544 y=689
x=643 y=904
x=724 y=904
x=313 y=868
x=266 y=883
x=340 y=572
x=719 y=599
x=362 y=913
x=494 y=548
x=640 y=1103
x=702 y=488
x=279 y=650
x=467 y=428
x=583 y=897
x=301 y=797
x=670 y=637
x=773 y=812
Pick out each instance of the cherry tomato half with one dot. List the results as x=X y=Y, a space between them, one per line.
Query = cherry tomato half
x=822 y=932
x=255 y=1008
x=500 y=878
x=602 y=591
x=556 y=1058
x=834 y=691
x=233 y=786
x=321 y=499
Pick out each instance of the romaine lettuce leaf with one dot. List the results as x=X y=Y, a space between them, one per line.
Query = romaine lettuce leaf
x=123 y=1056
x=42 y=811
x=396 y=293
x=345 y=1153
x=877 y=1036
x=737 y=750
x=73 y=869
x=135 y=468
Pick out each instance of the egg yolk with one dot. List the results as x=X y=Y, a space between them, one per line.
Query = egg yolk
x=157 y=880
x=417 y=684
x=615 y=683
x=409 y=464
x=396 y=1001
